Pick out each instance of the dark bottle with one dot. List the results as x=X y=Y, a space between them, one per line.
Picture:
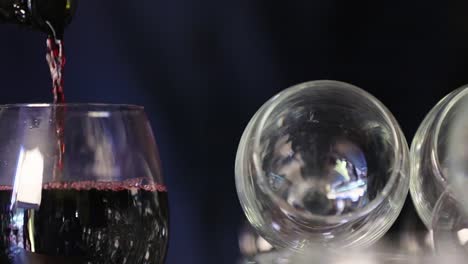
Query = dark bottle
x=50 y=16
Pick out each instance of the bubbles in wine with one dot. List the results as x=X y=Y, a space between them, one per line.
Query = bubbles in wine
x=101 y=222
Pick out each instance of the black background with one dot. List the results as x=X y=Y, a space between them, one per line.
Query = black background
x=202 y=68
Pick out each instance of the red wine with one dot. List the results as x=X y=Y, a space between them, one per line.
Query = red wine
x=56 y=61
x=86 y=222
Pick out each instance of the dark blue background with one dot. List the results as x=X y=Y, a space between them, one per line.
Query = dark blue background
x=202 y=68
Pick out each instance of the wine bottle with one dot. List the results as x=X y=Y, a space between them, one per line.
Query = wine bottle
x=50 y=16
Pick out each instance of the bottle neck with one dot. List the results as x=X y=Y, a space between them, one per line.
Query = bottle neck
x=50 y=16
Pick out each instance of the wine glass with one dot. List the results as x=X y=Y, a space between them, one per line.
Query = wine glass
x=449 y=147
x=80 y=183
x=439 y=157
x=322 y=163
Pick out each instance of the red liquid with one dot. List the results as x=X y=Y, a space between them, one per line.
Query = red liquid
x=56 y=60
x=86 y=222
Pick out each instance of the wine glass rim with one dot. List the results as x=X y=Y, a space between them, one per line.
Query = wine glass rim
x=77 y=106
x=397 y=140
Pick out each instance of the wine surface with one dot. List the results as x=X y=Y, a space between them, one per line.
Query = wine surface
x=85 y=222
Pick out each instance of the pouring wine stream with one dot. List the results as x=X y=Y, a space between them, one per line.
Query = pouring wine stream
x=56 y=60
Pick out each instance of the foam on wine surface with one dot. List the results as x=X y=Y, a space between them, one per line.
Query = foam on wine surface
x=86 y=222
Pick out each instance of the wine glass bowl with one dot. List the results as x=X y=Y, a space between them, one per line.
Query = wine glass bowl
x=80 y=183
x=438 y=156
x=439 y=187
x=322 y=162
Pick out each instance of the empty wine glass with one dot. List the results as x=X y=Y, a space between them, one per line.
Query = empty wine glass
x=80 y=183
x=439 y=156
x=322 y=162
x=450 y=148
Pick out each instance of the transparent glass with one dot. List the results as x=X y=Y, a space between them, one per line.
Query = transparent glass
x=80 y=183
x=322 y=162
x=318 y=255
x=450 y=226
x=450 y=148
x=438 y=154
x=251 y=244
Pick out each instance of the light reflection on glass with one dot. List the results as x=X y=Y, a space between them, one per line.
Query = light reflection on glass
x=340 y=186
